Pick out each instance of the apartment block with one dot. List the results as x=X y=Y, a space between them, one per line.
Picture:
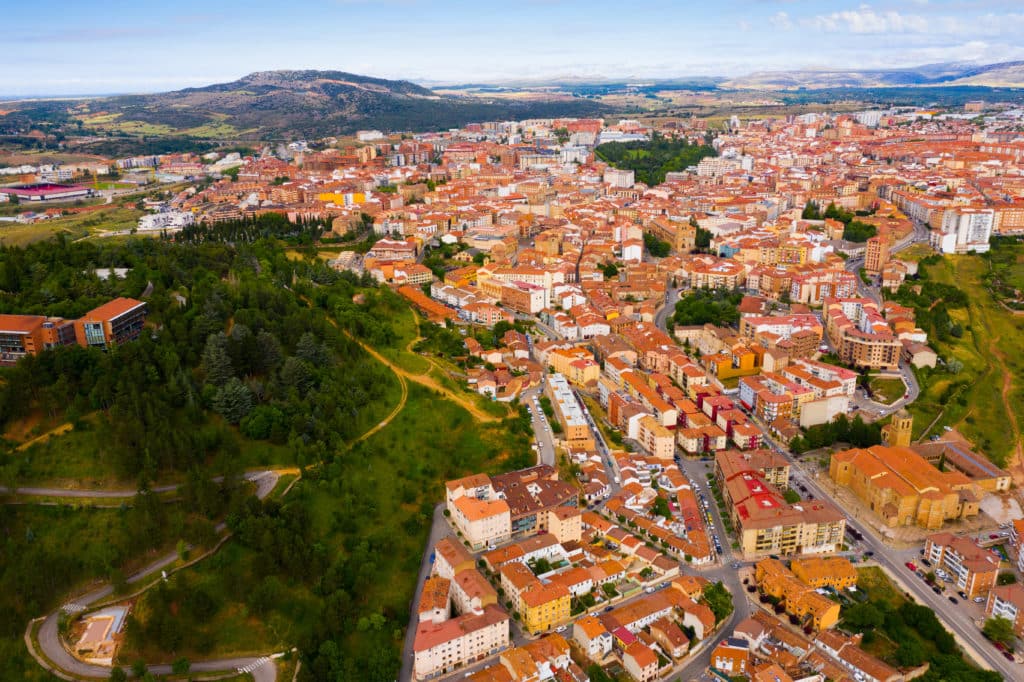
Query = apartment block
x=974 y=569
x=800 y=600
x=1007 y=601
x=440 y=648
x=817 y=572
x=767 y=524
x=861 y=336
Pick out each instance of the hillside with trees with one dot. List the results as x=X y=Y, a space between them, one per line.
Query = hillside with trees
x=249 y=358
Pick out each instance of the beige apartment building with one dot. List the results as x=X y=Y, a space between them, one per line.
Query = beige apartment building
x=442 y=647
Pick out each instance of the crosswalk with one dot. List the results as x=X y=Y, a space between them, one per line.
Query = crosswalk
x=72 y=608
x=252 y=666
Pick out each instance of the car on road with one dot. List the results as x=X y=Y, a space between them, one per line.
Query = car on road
x=963 y=595
x=979 y=600
x=926 y=562
x=911 y=566
x=936 y=590
x=561 y=628
x=609 y=608
x=736 y=564
x=993 y=536
x=1008 y=656
x=953 y=600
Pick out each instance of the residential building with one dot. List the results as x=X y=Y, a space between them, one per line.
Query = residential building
x=451 y=557
x=443 y=647
x=876 y=254
x=964 y=230
x=864 y=666
x=835 y=572
x=640 y=662
x=798 y=598
x=435 y=602
x=731 y=657
x=767 y=524
x=1007 y=601
x=974 y=569
x=592 y=636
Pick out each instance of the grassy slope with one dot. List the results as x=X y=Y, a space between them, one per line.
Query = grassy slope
x=395 y=485
x=987 y=353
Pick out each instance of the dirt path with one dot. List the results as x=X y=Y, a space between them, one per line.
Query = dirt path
x=60 y=430
x=1017 y=464
x=394 y=412
x=427 y=381
x=422 y=379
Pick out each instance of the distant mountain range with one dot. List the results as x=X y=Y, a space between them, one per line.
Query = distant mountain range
x=1004 y=74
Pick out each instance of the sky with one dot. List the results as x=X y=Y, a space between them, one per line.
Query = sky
x=81 y=47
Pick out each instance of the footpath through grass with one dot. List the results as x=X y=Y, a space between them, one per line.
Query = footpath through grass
x=984 y=399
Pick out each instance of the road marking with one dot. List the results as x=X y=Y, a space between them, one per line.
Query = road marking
x=72 y=608
x=260 y=662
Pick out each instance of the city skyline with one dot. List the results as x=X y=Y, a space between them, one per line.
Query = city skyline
x=90 y=48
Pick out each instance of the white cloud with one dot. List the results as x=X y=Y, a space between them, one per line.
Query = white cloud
x=866 y=20
x=781 y=21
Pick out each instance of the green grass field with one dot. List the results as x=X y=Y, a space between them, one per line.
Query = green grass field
x=73 y=226
x=985 y=400
x=886 y=391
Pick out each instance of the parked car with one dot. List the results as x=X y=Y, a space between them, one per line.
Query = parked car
x=953 y=600
x=911 y=566
x=979 y=600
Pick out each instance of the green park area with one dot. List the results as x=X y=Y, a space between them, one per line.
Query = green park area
x=905 y=634
x=886 y=390
x=652 y=159
x=978 y=387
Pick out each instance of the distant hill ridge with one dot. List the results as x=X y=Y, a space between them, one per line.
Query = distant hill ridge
x=1003 y=74
x=309 y=103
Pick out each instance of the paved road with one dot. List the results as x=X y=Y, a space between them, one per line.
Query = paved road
x=439 y=529
x=53 y=649
x=958 y=619
x=671 y=296
x=265 y=482
x=697 y=472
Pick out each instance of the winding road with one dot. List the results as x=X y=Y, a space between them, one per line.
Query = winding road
x=57 y=659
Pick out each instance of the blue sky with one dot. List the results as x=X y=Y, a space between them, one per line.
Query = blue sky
x=90 y=46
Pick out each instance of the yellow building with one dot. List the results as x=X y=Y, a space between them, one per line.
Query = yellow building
x=741 y=361
x=774 y=579
x=903 y=488
x=545 y=607
x=898 y=431
x=540 y=606
x=835 y=572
